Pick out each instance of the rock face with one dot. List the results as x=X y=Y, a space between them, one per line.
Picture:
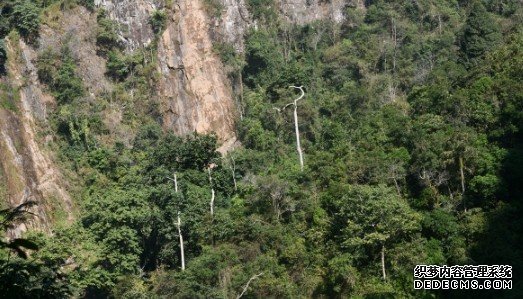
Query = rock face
x=132 y=16
x=29 y=173
x=193 y=88
x=233 y=23
x=194 y=91
x=306 y=11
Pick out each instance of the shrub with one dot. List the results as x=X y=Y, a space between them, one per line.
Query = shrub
x=119 y=66
x=157 y=21
x=3 y=57
x=89 y=4
x=26 y=19
x=67 y=86
x=106 y=37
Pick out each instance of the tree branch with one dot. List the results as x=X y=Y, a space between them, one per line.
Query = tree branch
x=248 y=283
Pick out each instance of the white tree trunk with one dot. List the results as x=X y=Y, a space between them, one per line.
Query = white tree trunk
x=246 y=287
x=175 y=183
x=212 y=193
x=212 y=202
x=298 y=143
x=383 y=262
x=182 y=254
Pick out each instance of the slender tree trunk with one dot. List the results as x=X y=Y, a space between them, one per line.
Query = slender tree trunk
x=383 y=262
x=179 y=224
x=462 y=175
x=175 y=182
x=298 y=143
x=397 y=186
x=240 y=76
x=212 y=193
x=182 y=254
x=233 y=170
x=394 y=38
x=246 y=287
x=212 y=202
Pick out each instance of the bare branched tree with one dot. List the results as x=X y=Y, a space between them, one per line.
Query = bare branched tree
x=295 y=103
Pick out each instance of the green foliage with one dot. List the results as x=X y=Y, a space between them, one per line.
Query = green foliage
x=120 y=66
x=9 y=97
x=67 y=86
x=262 y=9
x=3 y=56
x=26 y=17
x=106 y=36
x=89 y=4
x=158 y=21
x=481 y=32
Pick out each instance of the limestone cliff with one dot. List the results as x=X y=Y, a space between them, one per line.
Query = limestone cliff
x=194 y=91
x=29 y=172
x=193 y=87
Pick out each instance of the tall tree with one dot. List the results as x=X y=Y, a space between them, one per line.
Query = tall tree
x=481 y=32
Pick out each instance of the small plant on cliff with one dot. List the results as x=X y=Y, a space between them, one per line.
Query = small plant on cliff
x=157 y=21
x=120 y=66
x=106 y=37
x=26 y=19
x=89 y=4
x=214 y=7
x=3 y=57
x=67 y=85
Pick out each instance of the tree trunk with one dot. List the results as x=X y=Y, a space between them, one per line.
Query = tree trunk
x=212 y=202
x=298 y=143
x=233 y=169
x=383 y=262
x=240 y=76
x=462 y=175
x=397 y=185
x=212 y=193
x=182 y=254
x=175 y=183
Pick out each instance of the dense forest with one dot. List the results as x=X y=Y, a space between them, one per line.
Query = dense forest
x=410 y=128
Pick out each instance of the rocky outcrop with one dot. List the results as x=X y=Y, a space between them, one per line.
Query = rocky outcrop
x=193 y=87
x=132 y=17
x=307 y=11
x=29 y=172
x=194 y=91
x=232 y=24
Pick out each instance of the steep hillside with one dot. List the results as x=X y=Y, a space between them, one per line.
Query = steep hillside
x=258 y=148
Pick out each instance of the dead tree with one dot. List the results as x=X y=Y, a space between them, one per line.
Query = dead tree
x=212 y=188
x=174 y=179
x=384 y=274
x=182 y=254
x=246 y=287
x=295 y=103
x=232 y=164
